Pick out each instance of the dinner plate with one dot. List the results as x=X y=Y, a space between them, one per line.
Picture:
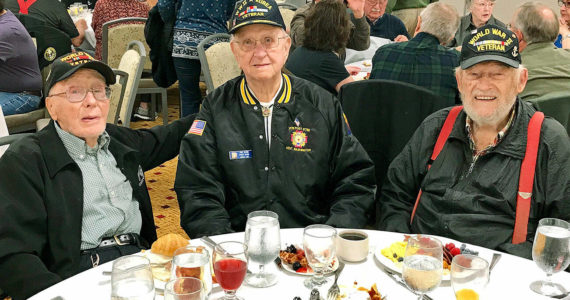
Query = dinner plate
x=397 y=267
x=289 y=268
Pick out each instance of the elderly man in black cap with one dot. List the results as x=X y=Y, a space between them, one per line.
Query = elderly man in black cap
x=74 y=194
x=270 y=141
x=487 y=172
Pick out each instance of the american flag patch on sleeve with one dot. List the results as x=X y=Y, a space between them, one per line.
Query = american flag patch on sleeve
x=197 y=127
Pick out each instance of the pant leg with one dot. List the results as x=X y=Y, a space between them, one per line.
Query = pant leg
x=18 y=103
x=410 y=18
x=188 y=72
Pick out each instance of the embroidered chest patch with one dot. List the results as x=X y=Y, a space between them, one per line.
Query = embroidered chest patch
x=299 y=139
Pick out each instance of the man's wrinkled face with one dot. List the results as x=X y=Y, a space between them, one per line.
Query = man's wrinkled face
x=374 y=9
x=481 y=10
x=489 y=90
x=86 y=119
x=261 y=51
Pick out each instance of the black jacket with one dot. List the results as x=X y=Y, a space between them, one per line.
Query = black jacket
x=158 y=36
x=41 y=205
x=325 y=176
x=477 y=207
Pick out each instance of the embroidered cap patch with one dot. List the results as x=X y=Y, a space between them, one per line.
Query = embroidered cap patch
x=197 y=127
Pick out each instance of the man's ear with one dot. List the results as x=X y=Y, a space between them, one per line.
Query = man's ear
x=51 y=107
x=418 y=26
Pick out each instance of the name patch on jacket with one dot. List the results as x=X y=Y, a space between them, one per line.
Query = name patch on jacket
x=197 y=127
x=299 y=139
x=242 y=154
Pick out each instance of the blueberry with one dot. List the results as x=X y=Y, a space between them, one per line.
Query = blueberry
x=395 y=255
x=297 y=298
x=291 y=249
x=296 y=265
x=400 y=259
x=462 y=247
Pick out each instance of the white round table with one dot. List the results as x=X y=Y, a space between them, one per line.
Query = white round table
x=509 y=280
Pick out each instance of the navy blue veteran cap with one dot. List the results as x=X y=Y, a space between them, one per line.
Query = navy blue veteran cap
x=63 y=67
x=490 y=43
x=249 y=12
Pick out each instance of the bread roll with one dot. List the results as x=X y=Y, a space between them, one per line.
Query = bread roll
x=167 y=244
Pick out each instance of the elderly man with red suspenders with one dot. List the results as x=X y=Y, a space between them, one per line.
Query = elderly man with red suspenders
x=486 y=172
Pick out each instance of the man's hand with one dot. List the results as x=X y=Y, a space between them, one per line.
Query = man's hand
x=81 y=25
x=353 y=70
x=400 y=38
x=564 y=30
x=357 y=7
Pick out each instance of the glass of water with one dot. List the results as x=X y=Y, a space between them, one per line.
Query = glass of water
x=263 y=241
x=131 y=278
x=469 y=276
x=184 y=288
x=319 y=246
x=423 y=264
x=551 y=252
x=192 y=261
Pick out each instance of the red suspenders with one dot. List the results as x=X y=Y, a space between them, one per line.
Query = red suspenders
x=526 y=177
x=24 y=5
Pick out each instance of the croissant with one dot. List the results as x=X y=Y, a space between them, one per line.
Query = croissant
x=167 y=244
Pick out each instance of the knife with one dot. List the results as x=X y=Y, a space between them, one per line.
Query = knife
x=401 y=282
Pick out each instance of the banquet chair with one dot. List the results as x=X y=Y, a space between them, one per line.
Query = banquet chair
x=383 y=115
x=132 y=63
x=116 y=35
x=555 y=105
x=218 y=62
x=117 y=93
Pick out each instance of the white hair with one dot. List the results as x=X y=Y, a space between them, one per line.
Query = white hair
x=441 y=20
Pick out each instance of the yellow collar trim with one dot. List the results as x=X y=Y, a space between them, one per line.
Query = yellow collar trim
x=285 y=96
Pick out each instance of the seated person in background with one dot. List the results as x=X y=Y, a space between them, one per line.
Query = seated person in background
x=536 y=26
x=382 y=24
x=77 y=187
x=55 y=14
x=470 y=192
x=481 y=13
x=359 y=38
x=326 y=28
x=408 y=11
x=266 y=140
x=423 y=60
x=563 y=39
x=20 y=78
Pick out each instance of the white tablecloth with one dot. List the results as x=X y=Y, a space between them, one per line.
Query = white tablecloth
x=509 y=280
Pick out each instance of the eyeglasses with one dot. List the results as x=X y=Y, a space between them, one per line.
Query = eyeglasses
x=565 y=4
x=77 y=94
x=482 y=4
x=375 y=2
x=268 y=42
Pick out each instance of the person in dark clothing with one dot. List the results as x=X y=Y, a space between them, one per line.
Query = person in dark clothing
x=470 y=192
x=382 y=24
x=266 y=140
x=76 y=196
x=327 y=28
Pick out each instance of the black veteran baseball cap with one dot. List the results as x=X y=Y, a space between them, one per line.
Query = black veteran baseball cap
x=64 y=66
x=490 y=43
x=256 y=12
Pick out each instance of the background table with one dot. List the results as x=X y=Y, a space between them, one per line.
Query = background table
x=509 y=280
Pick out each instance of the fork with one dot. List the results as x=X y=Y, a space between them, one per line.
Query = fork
x=334 y=290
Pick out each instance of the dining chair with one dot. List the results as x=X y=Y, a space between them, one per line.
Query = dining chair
x=555 y=105
x=132 y=63
x=5 y=141
x=116 y=35
x=117 y=93
x=217 y=61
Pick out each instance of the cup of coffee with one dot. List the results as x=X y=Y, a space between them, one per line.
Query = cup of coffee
x=352 y=245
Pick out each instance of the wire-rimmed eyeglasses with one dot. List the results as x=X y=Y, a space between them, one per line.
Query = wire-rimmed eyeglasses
x=78 y=94
x=565 y=4
x=484 y=3
x=268 y=42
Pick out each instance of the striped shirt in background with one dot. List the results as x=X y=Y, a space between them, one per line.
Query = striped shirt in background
x=108 y=204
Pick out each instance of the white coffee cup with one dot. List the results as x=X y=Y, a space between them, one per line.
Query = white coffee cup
x=352 y=245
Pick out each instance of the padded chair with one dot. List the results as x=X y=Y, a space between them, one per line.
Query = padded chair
x=383 y=115
x=555 y=105
x=218 y=62
x=132 y=63
x=117 y=93
x=116 y=35
x=287 y=12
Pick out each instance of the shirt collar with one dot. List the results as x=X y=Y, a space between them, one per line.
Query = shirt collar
x=77 y=148
x=500 y=135
x=283 y=95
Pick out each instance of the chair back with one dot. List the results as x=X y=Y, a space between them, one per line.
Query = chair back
x=287 y=14
x=217 y=61
x=116 y=36
x=117 y=93
x=384 y=114
x=132 y=63
x=5 y=141
x=555 y=105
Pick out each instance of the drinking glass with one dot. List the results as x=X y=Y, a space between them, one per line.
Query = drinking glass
x=469 y=276
x=319 y=246
x=192 y=261
x=131 y=278
x=184 y=288
x=423 y=264
x=263 y=241
x=551 y=252
x=230 y=266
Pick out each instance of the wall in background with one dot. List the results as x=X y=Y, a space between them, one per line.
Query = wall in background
x=504 y=9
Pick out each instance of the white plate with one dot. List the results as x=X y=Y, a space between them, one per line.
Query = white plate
x=398 y=267
x=289 y=268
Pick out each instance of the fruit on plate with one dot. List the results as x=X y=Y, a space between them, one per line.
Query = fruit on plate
x=395 y=252
x=295 y=258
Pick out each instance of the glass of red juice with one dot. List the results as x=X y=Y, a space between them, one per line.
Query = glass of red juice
x=230 y=266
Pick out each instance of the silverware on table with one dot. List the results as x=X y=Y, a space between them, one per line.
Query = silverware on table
x=334 y=290
x=208 y=241
x=401 y=282
x=494 y=261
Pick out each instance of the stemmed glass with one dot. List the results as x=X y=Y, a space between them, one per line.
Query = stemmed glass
x=131 y=278
x=184 y=288
x=551 y=252
x=263 y=241
x=230 y=266
x=192 y=261
x=469 y=276
x=423 y=264
x=319 y=246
